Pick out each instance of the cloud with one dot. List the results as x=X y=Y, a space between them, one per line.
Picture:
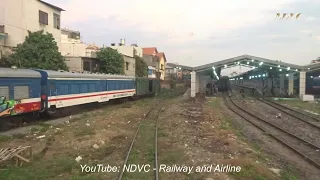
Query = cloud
x=203 y=31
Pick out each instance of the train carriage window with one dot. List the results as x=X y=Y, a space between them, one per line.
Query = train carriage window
x=63 y=89
x=4 y=92
x=111 y=87
x=21 y=92
x=92 y=88
x=74 y=89
x=52 y=86
x=84 y=88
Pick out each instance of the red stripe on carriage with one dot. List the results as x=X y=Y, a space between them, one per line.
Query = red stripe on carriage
x=86 y=96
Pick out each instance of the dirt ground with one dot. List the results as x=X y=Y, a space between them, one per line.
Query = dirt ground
x=98 y=137
x=198 y=132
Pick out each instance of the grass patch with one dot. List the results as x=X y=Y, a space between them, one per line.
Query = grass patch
x=84 y=131
x=34 y=129
x=172 y=157
x=253 y=172
x=39 y=170
x=224 y=125
x=44 y=125
x=4 y=138
x=18 y=136
x=301 y=105
x=288 y=174
x=42 y=128
x=143 y=150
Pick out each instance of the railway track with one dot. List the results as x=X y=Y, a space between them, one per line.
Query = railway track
x=300 y=146
x=313 y=121
x=150 y=120
x=306 y=118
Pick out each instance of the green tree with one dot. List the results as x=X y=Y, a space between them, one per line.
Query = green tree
x=141 y=67
x=4 y=62
x=39 y=50
x=111 y=61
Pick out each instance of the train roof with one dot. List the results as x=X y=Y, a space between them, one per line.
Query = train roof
x=66 y=74
x=14 y=72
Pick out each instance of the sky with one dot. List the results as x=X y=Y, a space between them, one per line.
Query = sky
x=198 y=32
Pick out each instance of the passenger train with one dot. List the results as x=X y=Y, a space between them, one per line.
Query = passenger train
x=46 y=91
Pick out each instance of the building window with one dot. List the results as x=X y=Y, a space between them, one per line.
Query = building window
x=56 y=21
x=127 y=66
x=161 y=66
x=43 y=17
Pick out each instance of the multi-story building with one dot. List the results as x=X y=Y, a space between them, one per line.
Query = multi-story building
x=132 y=50
x=86 y=61
x=17 y=17
x=155 y=59
x=173 y=72
x=71 y=44
x=152 y=72
x=128 y=53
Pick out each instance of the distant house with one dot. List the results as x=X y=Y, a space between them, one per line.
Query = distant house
x=128 y=52
x=152 y=71
x=71 y=44
x=155 y=59
x=172 y=71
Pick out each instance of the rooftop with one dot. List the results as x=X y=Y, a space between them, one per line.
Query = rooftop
x=251 y=61
x=52 y=6
x=150 y=50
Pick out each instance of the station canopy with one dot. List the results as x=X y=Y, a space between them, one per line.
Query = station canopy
x=258 y=65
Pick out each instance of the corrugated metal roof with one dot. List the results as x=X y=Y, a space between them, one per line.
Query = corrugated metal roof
x=25 y=73
x=58 y=74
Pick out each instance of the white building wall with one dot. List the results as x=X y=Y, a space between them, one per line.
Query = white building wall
x=19 y=16
x=131 y=71
x=73 y=49
x=65 y=39
x=128 y=50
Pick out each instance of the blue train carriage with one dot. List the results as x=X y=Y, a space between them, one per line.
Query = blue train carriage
x=19 y=91
x=65 y=89
x=119 y=86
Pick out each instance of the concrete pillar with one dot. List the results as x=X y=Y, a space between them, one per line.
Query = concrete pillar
x=282 y=78
x=197 y=82
x=193 y=84
x=302 y=83
x=290 y=84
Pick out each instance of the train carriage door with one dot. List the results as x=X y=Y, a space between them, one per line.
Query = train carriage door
x=150 y=85
x=52 y=94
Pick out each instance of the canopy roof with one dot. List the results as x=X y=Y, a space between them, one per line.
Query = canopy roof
x=252 y=61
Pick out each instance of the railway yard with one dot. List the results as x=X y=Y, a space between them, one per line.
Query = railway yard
x=204 y=138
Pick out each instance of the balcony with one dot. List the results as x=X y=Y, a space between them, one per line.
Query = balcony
x=3 y=33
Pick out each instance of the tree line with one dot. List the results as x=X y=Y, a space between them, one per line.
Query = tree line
x=40 y=51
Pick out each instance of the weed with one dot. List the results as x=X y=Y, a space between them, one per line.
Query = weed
x=84 y=131
x=288 y=174
x=34 y=129
x=18 y=136
x=4 y=138
x=42 y=169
